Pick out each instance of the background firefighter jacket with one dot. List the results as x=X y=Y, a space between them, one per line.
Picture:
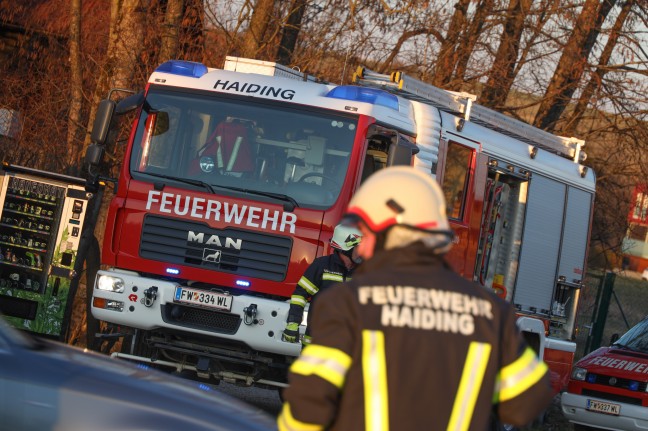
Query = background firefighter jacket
x=410 y=345
x=323 y=273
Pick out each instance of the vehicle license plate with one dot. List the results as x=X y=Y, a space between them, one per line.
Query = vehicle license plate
x=603 y=407
x=203 y=298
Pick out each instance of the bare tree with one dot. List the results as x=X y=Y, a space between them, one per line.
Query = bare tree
x=469 y=40
x=290 y=33
x=446 y=60
x=255 y=37
x=572 y=63
x=171 y=30
x=502 y=71
x=74 y=144
x=596 y=80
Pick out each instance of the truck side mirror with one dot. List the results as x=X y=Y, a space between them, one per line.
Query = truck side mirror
x=129 y=104
x=94 y=154
x=102 y=121
x=401 y=152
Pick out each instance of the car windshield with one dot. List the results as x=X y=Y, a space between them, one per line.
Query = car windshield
x=636 y=338
x=239 y=145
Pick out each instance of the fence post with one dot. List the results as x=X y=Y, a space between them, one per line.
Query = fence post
x=601 y=314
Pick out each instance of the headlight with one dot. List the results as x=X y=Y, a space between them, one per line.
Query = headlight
x=110 y=284
x=578 y=373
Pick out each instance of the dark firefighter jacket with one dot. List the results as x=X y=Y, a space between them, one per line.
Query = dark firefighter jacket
x=323 y=273
x=411 y=345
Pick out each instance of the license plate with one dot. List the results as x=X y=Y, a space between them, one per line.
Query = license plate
x=603 y=407
x=203 y=298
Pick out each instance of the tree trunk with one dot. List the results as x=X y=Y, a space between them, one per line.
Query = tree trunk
x=597 y=77
x=171 y=30
x=572 y=63
x=74 y=141
x=259 y=22
x=444 y=68
x=291 y=32
x=502 y=73
x=484 y=9
x=192 y=32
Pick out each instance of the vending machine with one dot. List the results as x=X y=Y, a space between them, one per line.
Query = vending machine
x=41 y=220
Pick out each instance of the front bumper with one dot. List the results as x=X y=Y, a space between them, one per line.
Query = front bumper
x=262 y=333
x=631 y=417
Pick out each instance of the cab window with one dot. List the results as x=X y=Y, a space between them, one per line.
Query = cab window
x=455 y=179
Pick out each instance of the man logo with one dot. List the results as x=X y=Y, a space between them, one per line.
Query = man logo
x=210 y=255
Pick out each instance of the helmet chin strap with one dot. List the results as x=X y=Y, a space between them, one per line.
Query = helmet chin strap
x=349 y=254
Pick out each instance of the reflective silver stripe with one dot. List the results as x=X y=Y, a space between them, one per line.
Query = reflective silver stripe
x=332 y=277
x=308 y=286
x=326 y=362
x=331 y=364
x=518 y=376
x=298 y=300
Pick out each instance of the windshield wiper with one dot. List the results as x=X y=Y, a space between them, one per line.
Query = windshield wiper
x=288 y=206
x=192 y=182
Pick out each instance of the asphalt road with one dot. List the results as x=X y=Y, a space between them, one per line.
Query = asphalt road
x=265 y=399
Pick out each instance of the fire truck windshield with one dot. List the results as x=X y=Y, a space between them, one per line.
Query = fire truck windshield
x=261 y=147
x=636 y=339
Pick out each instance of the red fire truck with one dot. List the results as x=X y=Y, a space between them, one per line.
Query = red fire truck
x=608 y=388
x=234 y=178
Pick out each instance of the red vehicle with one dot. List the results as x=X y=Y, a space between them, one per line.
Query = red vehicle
x=608 y=388
x=234 y=179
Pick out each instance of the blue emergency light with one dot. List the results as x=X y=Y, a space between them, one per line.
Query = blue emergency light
x=243 y=283
x=173 y=271
x=183 y=68
x=367 y=95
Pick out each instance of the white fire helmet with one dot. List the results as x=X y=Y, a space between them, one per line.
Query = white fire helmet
x=345 y=237
x=408 y=203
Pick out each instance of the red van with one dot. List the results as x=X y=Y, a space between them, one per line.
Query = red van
x=608 y=388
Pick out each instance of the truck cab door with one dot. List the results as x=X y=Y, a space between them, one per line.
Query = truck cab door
x=461 y=172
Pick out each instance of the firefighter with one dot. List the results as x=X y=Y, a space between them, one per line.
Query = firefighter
x=409 y=344
x=320 y=275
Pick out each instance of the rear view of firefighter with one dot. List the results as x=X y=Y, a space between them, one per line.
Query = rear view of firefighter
x=408 y=344
x=320 y=275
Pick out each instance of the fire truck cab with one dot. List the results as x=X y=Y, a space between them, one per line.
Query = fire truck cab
x=608 y=388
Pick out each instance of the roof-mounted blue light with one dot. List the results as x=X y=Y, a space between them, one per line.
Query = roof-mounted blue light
x=367 y=95
x=183 y=68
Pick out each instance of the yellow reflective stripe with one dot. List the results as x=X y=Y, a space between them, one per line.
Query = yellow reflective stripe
x=286 y=422
x=308 y=286
x=332 y=277
x=374 y=373
x=520 y=375
x=298 y=300
x=469 y=386
x=326 y=362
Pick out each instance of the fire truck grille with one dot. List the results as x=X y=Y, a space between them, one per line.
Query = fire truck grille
x=206 y=320
x=617 y=382
x=612 y=397
x=234 y=251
